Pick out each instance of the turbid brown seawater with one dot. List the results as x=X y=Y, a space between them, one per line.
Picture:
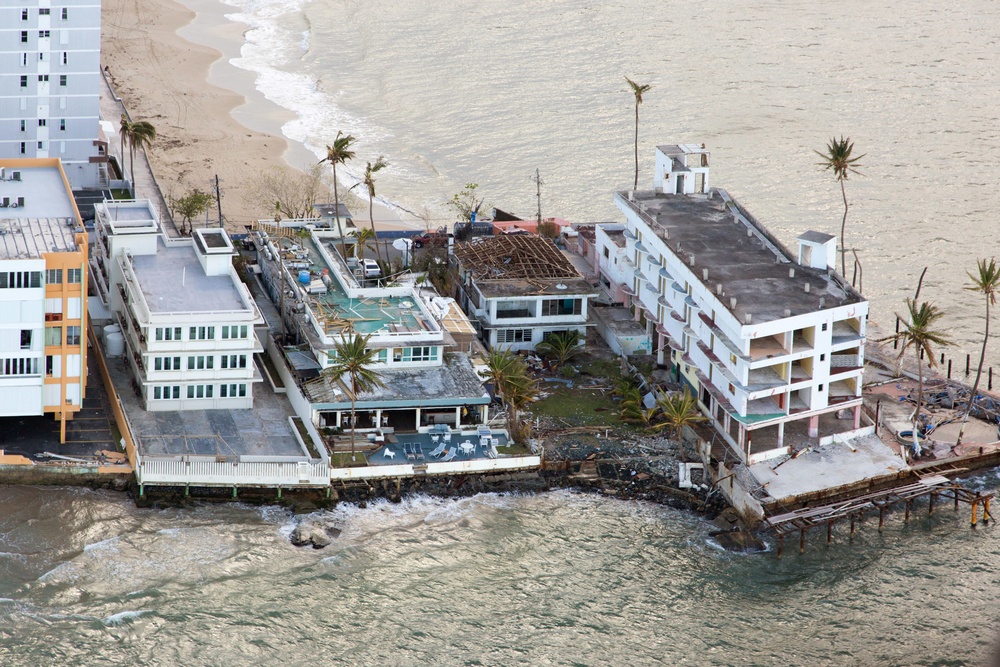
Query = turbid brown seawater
x=553 y=579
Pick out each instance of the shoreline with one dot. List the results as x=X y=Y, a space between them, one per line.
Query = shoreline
x=209 y=116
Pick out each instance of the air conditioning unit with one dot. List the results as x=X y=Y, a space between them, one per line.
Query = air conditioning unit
x=15 y=176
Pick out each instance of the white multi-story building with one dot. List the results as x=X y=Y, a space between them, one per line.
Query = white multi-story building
x=429 y=379
x=43 y=292
x=771 y=343
x=50 y=56
x=519 y=289
x=187 y=319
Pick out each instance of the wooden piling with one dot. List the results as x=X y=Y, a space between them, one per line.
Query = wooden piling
x=949 y=369
x=895 y=340
x=881 y=518
x=802 y=539
x=781 y=543
x=986 y=511
x=968 y=357
x=989 y=382
x=956 y=498
x=829 y=532
x=930 y=504
x=907 y=517
x=852 y=526
x=942 y=357
x=975 y=512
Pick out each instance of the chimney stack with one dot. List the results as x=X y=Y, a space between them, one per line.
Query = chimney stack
x=807 y=288
x=704 y=275
x=732 y=303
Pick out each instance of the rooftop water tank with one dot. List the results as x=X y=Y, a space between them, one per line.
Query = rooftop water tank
x=109 y=329
x=304 y=277
x=116 y=344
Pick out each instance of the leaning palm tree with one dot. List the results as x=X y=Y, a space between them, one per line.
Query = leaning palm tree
x=986 y=281
x=124 y=131
x=560 y=347
x=511 y=382
x=838 y=159
x=369 y=182
x=637 y=90
x=355 y=360
x=677 y=411
x=141 y=134
x=339 y=153
x=919 y=333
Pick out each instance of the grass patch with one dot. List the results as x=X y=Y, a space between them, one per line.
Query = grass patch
x=272 y=370
x=343 y=460
x=578 y=407
x=301 y=427
x=120 y=193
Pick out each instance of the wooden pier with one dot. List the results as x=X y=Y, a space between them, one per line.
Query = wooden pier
x=854 y=509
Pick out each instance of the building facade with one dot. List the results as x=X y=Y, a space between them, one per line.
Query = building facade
x=771 y=342
x=43 y=292
x=50 y=56
x=186 y=319
x=519 y=289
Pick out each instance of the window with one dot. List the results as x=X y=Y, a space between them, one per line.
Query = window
x=822 y=357
x=164 y=393
x=200 y=391
x=62 y=79
x=234 y=361
x=167 y=363
x=72 y=335
x=24 y=36
x=201 y=363
x=42 y=122
x=513 y=335
x=232 y=390
x=53 y=335
x=168 y=333
x=607 y=252
x=20 y=279
x=49 y=364
x=24 y=16
x=201 y=333
x=41 y=145
x=824 y=326
x=732 y=359
x=22 y=148
x=65 y=13
x=43 y=34
x=562 y=307
x=53 y=276
x=24 y=80
x=19 y=366
x=43 y=11
x=43 y=78
x=234 y=331
x=24 y=60
x=819 y=388
x=65 y=58
x=22 y=125
x=73 y=276
x=25 y=339
x=62 y=128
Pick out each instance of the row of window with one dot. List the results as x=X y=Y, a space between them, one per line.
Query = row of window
x=198 y=363
x=44 y=122
x=46 y=11
x=42 y=57
x=513 y=335
x=54 y=335
x=18 y=366
x=173 y=392
x=234 y=332
x=44 y=78
x=20 y=279
x=55 y=276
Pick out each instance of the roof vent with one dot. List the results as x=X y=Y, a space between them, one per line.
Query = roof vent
x=807 y=288
x=788 y=312
x=749 y=232
x=691 y=259
x=791 y=273
x=718 y=288
x=561 y=286
x=822 y=302
x=747 y=319
x=732 y=303
x=704 y=275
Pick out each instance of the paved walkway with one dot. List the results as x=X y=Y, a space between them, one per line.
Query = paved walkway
x=146 y=186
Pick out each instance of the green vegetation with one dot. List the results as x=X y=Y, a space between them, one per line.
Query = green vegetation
x=304 y=434
x=465 y=203
x=355 y=360
x=986 y=281
x=637 y=90
x=346 y=460
x=560 y=347
x=339 y=153
x=838 y=159
x=369 y=182
x=577 y=406
x=190 y=206
x=512 y=383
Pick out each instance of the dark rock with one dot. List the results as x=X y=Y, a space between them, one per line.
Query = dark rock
x=739 y=541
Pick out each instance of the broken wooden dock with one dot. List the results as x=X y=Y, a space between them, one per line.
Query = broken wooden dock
x=854 y=509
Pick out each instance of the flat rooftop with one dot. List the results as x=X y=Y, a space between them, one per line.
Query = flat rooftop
x=455 y=380
x=368 y=315
x=173 y=281
x=39 y=216
x=754 y=269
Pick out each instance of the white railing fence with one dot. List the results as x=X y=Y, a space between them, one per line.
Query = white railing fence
x=211 y=472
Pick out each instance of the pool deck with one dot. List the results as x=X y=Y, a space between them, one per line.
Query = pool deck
x=394 y=453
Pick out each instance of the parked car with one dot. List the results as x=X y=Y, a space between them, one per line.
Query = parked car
x=439 y=237
x=371 y=268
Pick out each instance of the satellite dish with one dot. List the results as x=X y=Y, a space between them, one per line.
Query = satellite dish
x=402 y=244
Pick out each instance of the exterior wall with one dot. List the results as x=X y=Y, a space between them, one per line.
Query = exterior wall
x=614 y=265
x=532 y=326
x=22 y=310
x=66 y=308
x=54 y=110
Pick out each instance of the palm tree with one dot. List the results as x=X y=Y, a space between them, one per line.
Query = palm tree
x=369 y=182
x=339 y=153
x=355 y=360
x=511 y=383
x=986 y=281
x=124 y=131
x=362 y=238
x=560 y=347
x=839 y=160
x=919 y=333
x=637 y=90
x=677 y=410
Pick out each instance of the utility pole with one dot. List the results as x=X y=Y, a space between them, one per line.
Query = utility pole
x=218 y=199
x=538 y=194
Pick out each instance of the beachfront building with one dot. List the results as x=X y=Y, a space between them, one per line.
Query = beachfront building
x=421 y=339
x=772 y=343
x=519 y=289
x=49 y=86
x=186 y=319
x=43 y=292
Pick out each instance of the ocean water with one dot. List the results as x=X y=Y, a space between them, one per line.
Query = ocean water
x=483 y=91
x=553 y=579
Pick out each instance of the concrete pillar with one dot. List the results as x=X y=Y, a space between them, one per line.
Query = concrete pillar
x=378 y=418
x=814 y=427
x=781 y=434
x=857 y=417
x=458 y=416
x=418 y=417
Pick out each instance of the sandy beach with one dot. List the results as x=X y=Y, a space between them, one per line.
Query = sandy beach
x=160 y=65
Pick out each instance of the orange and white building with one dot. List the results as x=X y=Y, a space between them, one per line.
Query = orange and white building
x=43 y=292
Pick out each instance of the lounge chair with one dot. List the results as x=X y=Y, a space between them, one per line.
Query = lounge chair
x=439 y=450
x=408 y=450
x=452 y=453
x=418 y=451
